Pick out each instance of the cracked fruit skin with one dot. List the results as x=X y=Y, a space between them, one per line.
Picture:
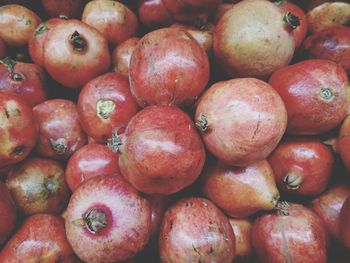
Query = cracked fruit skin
x=242 y=120
x=18 y=131
x=195 y=230
x=298 y=237
x=107 y=220
x=8 y=213
x=315 y=93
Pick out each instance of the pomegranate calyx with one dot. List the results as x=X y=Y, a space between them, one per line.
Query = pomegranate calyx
x=202 y=123
x=95 y=220
x=292 y=20
x=292 y=181
x=282 y=208
x=59 y=146
x=78 y=42
x=115 y=141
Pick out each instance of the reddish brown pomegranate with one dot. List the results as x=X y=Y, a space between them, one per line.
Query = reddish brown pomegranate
x=160 y=151
x=121 y=55
x=89 y=161
x=295 y=234
x=242 y=229
x=153 y=13
x=254 y=44
x=38 y=186
x=195 y=230
x=302 y=166
x=18 y=132
x=41 y=238
x=8 y=213
x=113 y=19
x=75 y=53
x=241 y=192
x=332 y=44
x=105 y=104
x=345 y=223
x=315 y=95
x=107 y=220
x=60 y=133
x=328 y=205
x=25 y=79
x=17 y=24
x=168 y=67
x=64 y=8
x=242 y=120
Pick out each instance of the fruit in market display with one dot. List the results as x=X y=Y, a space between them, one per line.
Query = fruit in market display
x=241 y=120
x=153 y=13
x=107 y=220
x=195 y=230
x=302 y=166
x=8 y=213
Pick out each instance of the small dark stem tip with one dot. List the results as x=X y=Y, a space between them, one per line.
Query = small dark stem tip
x=78 y=41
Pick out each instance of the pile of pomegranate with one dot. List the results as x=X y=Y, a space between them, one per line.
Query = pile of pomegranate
x=174 y=131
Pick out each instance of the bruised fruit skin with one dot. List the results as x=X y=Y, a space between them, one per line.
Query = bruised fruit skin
x=168 y=67
x=242 y=120
x=242 y=229
x=17 y=24
x=18 y=131
x=343 y=143
x=241 y=192
x=25 y=79
x=302 y=166
x=107 y=220
x=38 y=186
x=315 y=93
x=41 y=238
x=65 y=8
x=153 y=13
x=295 y=234
x=106 y=104
x=75 y=53
x=160 y=151
x=121 y=56
x=332 y=44
x=113 y=19
x=195 y=230
x=253 y=44
x=60 y=133
x=8 y=214
x=345 y=223
x=328 y=205
x=89 y=161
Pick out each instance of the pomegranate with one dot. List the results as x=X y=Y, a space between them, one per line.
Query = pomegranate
x=105 y=103
x=160 y=150
x=315 y=95
x=195 y=230
x=302 y=166
x=345 y=223
x=295 y=234
x=153 y=13
x=89 y=161
x=64 y=8
x=8 y=214
x=241 y=192
x=168 y=67
x=242 y=120
x=242 y=229
x=107 y=220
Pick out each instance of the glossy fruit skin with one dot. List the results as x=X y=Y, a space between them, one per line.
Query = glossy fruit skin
x=344 y=142
x=189 y=10
x=298 y=237
x=8 y=213
x=89 y=161
x=121 y=56
x=238 y=55
x=245 y=120
x=38 y=186
x=66 y=8
x=345 y=223
x=315 y=94
x=128 y=218
x=153 y=13
x=241 y=192
x=17 y=24
x=73 y=65
x=41 y=238
x=332 y=44
x=60 y=133
x=37 y=40
x=242 y=229
x=195 y=230
x=106 y=104
x=18 y=132
x=113 y=19
x=302 y=166
x=168 y=67
x=161 y=151
x=328 y=205
x=26 y=80
x=2 y=48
